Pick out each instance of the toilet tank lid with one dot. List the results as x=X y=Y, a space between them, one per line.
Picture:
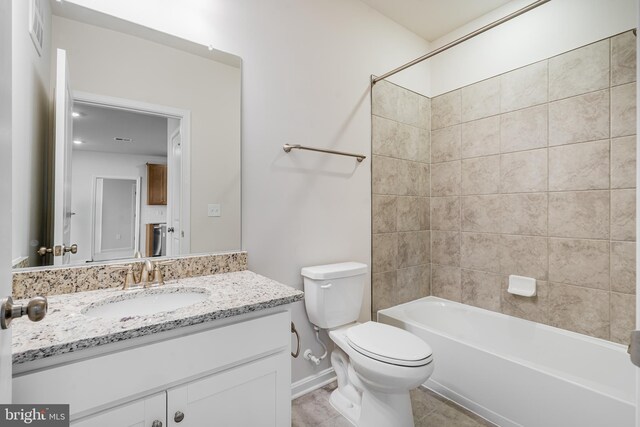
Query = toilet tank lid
x=334 y=271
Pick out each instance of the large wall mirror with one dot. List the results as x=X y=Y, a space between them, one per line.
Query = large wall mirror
x=142 y=150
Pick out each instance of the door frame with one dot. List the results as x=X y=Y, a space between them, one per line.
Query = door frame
x=5 y=190
x=637 y=311
x=95 y=226
x=185 y=129
x=171 y=196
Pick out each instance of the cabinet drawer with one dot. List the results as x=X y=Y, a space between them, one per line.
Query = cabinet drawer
x=141 y=413
x=95 y=384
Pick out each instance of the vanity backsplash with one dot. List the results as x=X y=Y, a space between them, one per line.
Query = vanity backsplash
x=66 y=280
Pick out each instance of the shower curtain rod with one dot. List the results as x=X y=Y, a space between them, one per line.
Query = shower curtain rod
x=456 y=42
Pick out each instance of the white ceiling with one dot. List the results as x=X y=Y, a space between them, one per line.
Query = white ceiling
x=432 y=19
x=97 y=126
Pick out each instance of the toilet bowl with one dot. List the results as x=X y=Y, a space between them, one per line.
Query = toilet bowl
x=376 y=364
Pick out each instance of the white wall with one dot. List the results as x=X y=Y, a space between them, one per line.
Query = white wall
x=306 y=69
x=549 y=30
x=89 y=164
x=30 y=105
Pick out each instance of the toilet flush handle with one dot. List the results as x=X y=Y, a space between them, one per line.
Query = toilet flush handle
x=327 y=286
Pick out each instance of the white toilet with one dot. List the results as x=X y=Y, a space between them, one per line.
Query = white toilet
x=376 y=364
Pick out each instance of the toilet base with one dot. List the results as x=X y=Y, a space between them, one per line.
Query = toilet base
x=345 y=407
x=378 y=410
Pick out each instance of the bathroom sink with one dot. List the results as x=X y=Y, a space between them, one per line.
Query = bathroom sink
x=145 y=303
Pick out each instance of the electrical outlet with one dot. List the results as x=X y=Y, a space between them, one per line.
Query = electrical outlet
x=213 y=210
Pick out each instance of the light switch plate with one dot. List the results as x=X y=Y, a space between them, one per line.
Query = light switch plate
x=213 y=209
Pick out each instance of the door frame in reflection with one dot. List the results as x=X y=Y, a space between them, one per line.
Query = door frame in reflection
x=97 y=220
x=184 y=176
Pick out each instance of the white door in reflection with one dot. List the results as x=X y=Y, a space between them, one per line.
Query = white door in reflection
x=116 y=224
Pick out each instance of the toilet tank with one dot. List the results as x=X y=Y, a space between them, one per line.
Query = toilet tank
x=333 y=293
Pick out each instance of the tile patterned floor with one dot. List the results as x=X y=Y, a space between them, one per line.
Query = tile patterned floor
x=429 y=409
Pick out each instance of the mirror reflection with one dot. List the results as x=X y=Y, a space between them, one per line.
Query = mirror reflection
x=143 y=152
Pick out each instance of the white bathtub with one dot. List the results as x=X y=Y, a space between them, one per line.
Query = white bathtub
x=514 y=372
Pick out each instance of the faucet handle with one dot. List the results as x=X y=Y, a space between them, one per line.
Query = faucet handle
x=129 y=279
x=158 y=277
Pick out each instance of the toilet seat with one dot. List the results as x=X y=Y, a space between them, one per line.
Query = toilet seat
x=389 y=344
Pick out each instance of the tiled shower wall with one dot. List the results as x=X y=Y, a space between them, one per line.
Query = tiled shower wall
x=533 y=173
x=401 y=122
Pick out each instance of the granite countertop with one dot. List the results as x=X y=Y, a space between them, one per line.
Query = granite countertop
x=67 y=329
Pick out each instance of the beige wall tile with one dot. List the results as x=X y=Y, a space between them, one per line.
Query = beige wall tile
x=424 y=146
x=385 y=100
x=401 y=105
x=524 y=213
x=413 y=283
x=523 y=172
x=524 y=256
x=623 y=215
x=480 y=99
x=407 y=184
x=424 y=119
x=581 y=310
x=445 y=110
x=408 y=106
x=623 y=267
x=623 y=162
x=445 y=282
x=413 y=249
x=424 y=212
x=408 y=214
x=445 y=248
x=583 y=214
x=384 y=134
x=481 y=213
x=445 y=213
x=578 y=119
x=480 y=137
x=481 y=289
x=445 y=179
x=384 y=214
x=534 y=308
x=524 y=129
x=623 y=110
x=384 y=291
x=384 y=175
x=408 y=142
x=583 y=166
x=623 y=317
x=579 y=262
x=424 y=180
x=480 y=175
x=445 y=144
x=385 y=252
x=480 y=252
x=623 y=58
x=524 y=87
x=579 y=71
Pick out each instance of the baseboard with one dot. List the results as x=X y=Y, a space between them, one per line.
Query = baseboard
x=312 y=382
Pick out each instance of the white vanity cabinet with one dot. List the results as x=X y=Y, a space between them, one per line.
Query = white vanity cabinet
x=231 y=375
x=141 y=413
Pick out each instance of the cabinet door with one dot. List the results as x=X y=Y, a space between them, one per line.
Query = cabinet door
x=141 y=413
x=156 y=184
x=255 y=394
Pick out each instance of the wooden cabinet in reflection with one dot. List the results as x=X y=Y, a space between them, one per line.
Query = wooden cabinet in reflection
x=156 y=184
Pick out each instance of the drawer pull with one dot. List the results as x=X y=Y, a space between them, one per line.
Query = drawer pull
x=179 y=416
x=157 y=423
